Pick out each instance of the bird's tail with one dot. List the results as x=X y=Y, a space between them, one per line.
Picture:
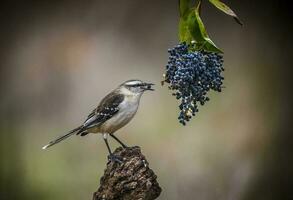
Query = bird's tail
x=63 y=137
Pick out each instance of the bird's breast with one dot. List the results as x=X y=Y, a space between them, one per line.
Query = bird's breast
x=127 y=110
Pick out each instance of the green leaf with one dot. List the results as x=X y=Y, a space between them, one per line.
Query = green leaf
x=191 y=28
x=184 y=7
x=184 y=34
x=198 y=31
x=209 y=45
x=199 y=24
x=194 y=28
x=226 y=9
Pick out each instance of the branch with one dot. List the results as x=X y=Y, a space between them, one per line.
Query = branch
x=131 y=180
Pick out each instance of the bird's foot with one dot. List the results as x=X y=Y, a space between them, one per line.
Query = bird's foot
x=114 y=158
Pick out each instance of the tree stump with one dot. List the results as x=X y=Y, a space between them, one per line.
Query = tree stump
x=130 y=180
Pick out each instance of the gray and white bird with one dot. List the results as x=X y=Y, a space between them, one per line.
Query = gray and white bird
x=113 y=112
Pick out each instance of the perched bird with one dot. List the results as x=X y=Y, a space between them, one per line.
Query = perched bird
x=113 y=112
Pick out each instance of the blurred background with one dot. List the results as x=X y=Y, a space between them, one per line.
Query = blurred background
x=59 y=58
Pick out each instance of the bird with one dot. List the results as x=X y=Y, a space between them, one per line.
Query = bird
x=113 y=112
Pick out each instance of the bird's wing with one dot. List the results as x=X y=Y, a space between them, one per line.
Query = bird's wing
x=108 y=107
x=91 y=114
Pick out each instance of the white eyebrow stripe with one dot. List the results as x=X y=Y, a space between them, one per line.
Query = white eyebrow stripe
x=133 y=83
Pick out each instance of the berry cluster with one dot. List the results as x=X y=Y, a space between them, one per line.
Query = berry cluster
x=191 y=75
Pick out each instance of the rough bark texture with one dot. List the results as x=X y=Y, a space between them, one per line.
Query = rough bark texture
x=131 y=180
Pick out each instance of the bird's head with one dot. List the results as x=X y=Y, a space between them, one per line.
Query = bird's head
x=135 y=87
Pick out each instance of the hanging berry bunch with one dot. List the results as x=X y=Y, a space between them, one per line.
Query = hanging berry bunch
x=195 y=65
x=191 y=75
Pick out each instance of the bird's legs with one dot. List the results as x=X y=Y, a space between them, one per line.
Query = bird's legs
x=119 y=141
x=111 y=156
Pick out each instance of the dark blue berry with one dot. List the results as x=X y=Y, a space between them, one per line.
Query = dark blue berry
x=191 y=75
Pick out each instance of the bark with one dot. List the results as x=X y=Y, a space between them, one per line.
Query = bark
x=130 y=180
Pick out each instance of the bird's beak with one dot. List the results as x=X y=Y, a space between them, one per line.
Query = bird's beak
x=148 y=86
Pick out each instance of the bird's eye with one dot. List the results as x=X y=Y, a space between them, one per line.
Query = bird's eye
x=136 y=85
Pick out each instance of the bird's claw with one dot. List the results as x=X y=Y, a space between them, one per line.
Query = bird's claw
x=114 y=158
